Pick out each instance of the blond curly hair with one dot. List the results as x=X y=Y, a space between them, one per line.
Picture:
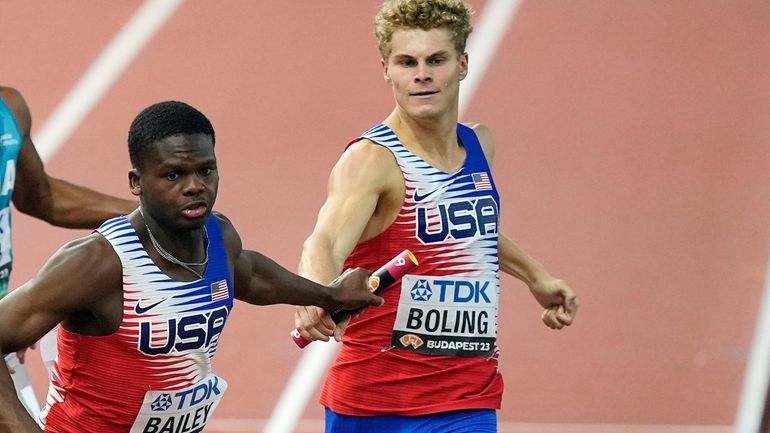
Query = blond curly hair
x=453 y=15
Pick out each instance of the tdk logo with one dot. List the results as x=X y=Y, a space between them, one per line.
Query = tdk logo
x=194 y=331
x=421 y=291
x=187 y=398
x=457 y=220
x=459 y=291
x=201 y=392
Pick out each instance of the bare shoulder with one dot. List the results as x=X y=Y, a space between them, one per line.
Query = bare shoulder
x=365 y=151
x=365 y=163
x=79 y=275
x=9 y=94
x=91 y=254
x=15 y=101
x=83 y=278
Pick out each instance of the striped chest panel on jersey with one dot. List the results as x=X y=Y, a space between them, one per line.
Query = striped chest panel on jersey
x=450 y=219
x=10 y=143
x=166 y=340
x=165 y=317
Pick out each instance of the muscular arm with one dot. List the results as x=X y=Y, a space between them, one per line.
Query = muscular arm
x=356 y=209
x=75 y=279
x=54 y=200
x=357 y=182
x=261 y=281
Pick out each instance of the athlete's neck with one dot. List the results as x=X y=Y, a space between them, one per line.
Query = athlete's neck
x=434 y=140
x=188 y=245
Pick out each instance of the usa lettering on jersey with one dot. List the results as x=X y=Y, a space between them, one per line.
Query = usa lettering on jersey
x=176 y=335
x=457 y=219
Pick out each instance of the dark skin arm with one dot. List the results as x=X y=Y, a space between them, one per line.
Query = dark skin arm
x=50 y=199
x=72 y=284
x=261 y=281
x=81 y=287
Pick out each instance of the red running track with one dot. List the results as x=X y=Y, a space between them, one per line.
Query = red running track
x=633 y=153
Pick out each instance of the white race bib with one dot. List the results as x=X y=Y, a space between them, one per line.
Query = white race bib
x=450 y=315
x=180 y=411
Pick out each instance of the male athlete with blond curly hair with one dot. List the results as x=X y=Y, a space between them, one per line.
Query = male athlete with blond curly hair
x=428 y=359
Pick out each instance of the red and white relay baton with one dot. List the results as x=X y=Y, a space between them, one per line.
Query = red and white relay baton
x=380 y=280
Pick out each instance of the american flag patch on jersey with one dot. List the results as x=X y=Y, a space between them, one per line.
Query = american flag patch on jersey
x=481 y=181
x=219 y=291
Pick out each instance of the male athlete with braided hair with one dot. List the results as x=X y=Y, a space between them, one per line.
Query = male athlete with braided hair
x=427 y=360
x=143 y=300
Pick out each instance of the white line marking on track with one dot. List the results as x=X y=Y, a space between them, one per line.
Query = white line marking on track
x=482 y=45
x=757 y=379
x=148 y=19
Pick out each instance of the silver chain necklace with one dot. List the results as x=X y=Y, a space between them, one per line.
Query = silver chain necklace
x=166 y=255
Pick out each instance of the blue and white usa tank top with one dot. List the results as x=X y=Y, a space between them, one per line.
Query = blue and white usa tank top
x=154 y=373
x=433 y=343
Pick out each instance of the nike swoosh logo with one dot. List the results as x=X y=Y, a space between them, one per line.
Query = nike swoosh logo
x=139 y=309
x=420 y=197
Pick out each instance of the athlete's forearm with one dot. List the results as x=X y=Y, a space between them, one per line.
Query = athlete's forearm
x=76 y=206
x=514 y=261
x=270 y=283
x=319 y=262
x=13 y=417
x=273 y=284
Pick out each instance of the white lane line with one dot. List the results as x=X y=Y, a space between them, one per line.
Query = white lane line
x=482 y=45
x=757 y=379
x=148 y=19
x=302 y=385
x=488 y=34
